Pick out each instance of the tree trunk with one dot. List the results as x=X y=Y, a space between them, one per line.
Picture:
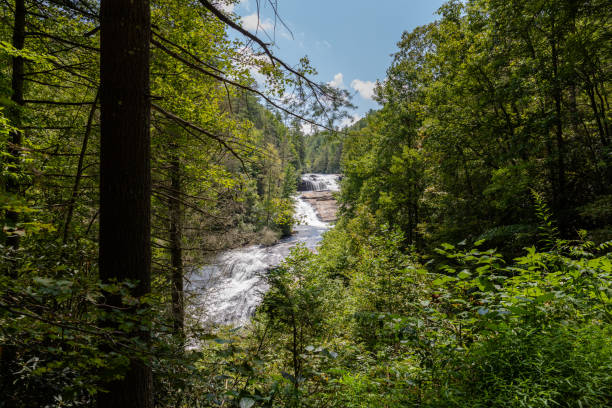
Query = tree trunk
x=602 y=134
x=8 y=353
x=125 y=178
x=561 y=198
x=12 y=185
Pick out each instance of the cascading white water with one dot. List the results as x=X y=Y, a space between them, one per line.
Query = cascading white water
x=319 y=182
x=228 y=290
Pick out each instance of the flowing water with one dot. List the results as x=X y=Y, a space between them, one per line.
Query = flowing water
x=319 y=182
x=228 y=290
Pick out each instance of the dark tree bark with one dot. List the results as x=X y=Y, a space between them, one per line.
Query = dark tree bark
x=559 y=176
x=12 y=185
x=8 y=353
x=125 y=176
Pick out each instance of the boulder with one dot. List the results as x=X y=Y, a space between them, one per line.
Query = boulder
x=324 y=203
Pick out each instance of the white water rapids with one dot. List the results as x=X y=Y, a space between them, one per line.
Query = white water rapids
x=228 y=290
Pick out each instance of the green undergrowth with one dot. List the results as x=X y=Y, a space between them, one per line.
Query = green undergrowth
x=365 y=322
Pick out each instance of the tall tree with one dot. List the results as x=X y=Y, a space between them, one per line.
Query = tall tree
x=125 y=176
x=7 y=359
x=18 y=101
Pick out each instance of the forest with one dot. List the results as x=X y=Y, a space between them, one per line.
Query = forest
x=470 y=264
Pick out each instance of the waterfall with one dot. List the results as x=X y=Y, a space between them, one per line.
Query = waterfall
x=319 y=182
x=229 y=289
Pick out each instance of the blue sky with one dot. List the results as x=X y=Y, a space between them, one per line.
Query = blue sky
x=349 y=42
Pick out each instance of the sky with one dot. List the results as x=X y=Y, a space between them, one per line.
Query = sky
x=349 y=42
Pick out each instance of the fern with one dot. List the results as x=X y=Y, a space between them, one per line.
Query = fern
x=549 y=233
x=505 y=231
x=604 y=246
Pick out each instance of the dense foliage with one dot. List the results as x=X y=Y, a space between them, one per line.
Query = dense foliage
x=493 y=100
x=494 y=135
x=464 y=329
x=224 y=169
x=471 y=265
x=323 y=152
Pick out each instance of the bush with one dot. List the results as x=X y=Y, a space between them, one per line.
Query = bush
x=558 y=366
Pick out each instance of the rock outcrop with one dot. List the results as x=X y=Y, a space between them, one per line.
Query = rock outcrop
x=324 y=204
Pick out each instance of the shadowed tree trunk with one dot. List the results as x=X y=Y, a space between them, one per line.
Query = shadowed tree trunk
x=561 y=198
x=17 y=99
x=8 y=352
x=125 y=178
x=12 y=185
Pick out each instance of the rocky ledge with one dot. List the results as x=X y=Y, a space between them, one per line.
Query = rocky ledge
x=324 y=204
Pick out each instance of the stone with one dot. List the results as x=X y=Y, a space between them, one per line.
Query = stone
x=324 y=203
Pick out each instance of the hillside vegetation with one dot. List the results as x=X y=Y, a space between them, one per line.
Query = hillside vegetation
x=470 y=266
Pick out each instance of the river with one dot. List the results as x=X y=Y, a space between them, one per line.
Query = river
x=228 y=290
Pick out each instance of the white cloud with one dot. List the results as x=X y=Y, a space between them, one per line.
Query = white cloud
x=226 y=8
x=229 y=7
x=365 y=88
x=338 y=81
x=307 y=128
x=253 y=23
x=260 y=79
x=346 y=122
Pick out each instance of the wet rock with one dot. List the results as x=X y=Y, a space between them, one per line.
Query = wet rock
x=324 y=203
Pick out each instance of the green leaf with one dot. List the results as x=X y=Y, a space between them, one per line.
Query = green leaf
x=444 y=279
x=247 y=402
x=545 y=298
